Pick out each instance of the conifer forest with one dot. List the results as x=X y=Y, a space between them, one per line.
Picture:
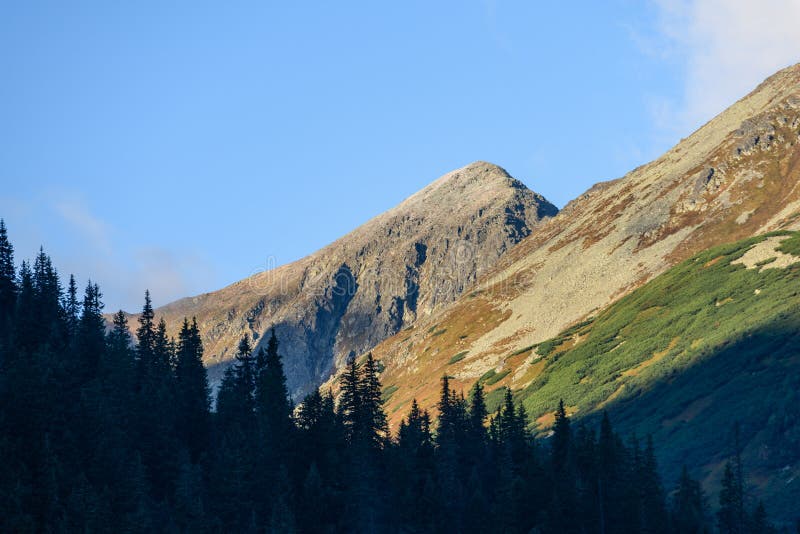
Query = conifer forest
x=111 y=426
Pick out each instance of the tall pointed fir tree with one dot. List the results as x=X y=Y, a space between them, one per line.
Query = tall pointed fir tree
x=275 y=427
x=118 y=367
x=145 y=336
x=376 y=428
x=688 y=511
x=350 y=402
x=232 y=484
x=72 y=307
x=235 y=398
x=654 y=518
x=450 y=439
x=155 y=403
x=90 y=340
x=192 y=391
x=8 y=285
x=561 y=517
x=476 y=427
x=272 y=404
x=730 y=518
x=414 y=467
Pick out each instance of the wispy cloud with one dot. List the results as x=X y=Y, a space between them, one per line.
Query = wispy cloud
x=82 y=242
x=75 y=211
x=725 y=47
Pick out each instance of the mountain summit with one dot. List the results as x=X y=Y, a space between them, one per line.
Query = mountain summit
x=378 y=279
x=735 y=177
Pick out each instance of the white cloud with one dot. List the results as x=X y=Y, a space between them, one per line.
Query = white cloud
x=75 y=211
x=726 y=48
x=82 y=242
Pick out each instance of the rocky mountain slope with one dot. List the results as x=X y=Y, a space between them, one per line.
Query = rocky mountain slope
x=710 y=343
x=370 y=284
x=735 y=177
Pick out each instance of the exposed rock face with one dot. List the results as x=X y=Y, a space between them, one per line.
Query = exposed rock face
x=400 y=266
x=735 y=177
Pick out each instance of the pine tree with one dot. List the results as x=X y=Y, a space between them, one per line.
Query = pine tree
x=90 y=340
x=272 y=402
x=273 y=412
x=729 y=519
x=47 y=298
x=235 y=399
x=72 y=307
x=163 y=352
x=651 y=493
x=562 y=436
x=759 y=524
x=118 y=367
x=376 y=428
x=688 y=513
x=414 y=436
x=8 y=285
x=561 y=514
x=192 y=391
x=145 y=336
x=450 y=438
x=477 y=415
x=350 y=402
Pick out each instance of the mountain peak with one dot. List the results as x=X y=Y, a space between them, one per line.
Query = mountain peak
x=738 y=176
x=475 y=186
x=375 y=281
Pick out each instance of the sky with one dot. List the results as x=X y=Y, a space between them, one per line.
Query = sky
x=182 y=146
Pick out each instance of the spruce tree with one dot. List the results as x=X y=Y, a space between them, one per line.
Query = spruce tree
x=688 y=512
x=729 y=516
x=450 y=439
x=273 y=413
x=759 y=523
x=651 y=493
x=192 y=391
x=145 y=337
x=272 y=403
x=350 y=402
x=72 y=307
x=235 y=399
x=561 y=516
x=8 y=285
x=90 y=340
x=477 y=418
x=24 y=324
x=376 y=428
x=560 y=449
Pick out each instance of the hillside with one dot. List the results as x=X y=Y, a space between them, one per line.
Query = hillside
x=734 y=178
x=711 y=342
x=402 y=265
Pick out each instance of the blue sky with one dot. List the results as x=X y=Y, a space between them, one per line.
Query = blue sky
x=182 y=146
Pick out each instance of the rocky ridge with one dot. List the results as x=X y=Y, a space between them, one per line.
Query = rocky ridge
x=735 y=177
x=377 y=280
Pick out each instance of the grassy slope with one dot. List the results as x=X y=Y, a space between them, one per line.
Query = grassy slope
x=703 y=345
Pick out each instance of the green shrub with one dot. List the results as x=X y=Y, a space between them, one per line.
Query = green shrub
x=496 y=377
x=458 y=357
x=387 y=393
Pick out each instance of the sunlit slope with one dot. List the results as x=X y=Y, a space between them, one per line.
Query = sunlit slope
x=736 y=177
x=680 y=318
x=713 y=342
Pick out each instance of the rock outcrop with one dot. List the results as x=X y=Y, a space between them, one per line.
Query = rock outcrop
x=374 y=282
x=735 y=177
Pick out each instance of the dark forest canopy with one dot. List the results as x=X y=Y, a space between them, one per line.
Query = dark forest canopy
x=101 y=431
